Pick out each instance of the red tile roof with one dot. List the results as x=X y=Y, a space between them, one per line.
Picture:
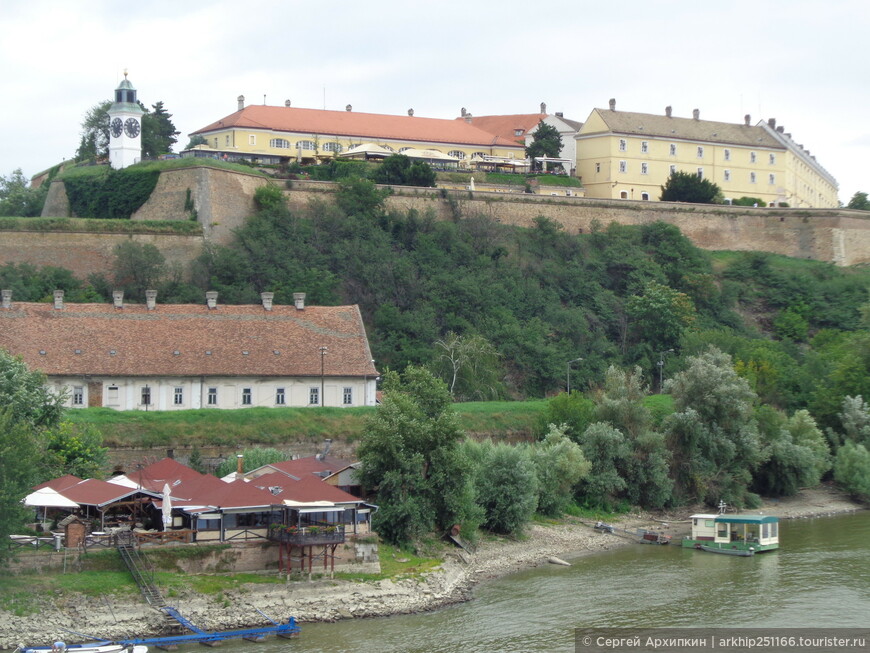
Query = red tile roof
x=307 y=489
x=356 y=125
x=187 y=340
x=309 y=465
x=92 y=492
x=505 y=126
x=58 y=484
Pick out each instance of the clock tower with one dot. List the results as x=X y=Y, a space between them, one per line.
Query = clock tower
x=125 y=127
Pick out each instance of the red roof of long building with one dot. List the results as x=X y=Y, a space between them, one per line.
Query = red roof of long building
x=308 y=489
x=187 y=340
x=352 y=124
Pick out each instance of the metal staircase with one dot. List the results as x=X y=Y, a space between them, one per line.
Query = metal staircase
x=142 y=574
x=175 y=614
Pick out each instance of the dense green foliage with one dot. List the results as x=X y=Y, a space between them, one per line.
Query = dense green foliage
x=688 y=187
x=252 y=458
x=18 y=198
x=859 y=201
x=399 y=170
x=108 y=193
x=158 y=132
x=546 y=141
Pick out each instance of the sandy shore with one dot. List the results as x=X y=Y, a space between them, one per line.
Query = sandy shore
x=329 y=600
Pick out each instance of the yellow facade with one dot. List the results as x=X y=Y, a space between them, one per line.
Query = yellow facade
x=623 y=155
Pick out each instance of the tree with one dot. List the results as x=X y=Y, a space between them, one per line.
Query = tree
x=94 y=144
x=559 y=465
x=75 y=449
x=398 y=170
x=575 y=412
x=713 y=435
x=18 y=199
x=138 y=268
x=688 y=187
x=607 y=451
x=158 y=132
x=409 y=457
x=20 y=457
x=471 y=366
x=660 y=315
x=859 y=201
x=25 y=396
x=852 y=469
x=506 y=485
x=546 y=141
x=196 y=139
x=252 y=458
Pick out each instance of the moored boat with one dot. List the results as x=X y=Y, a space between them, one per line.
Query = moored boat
x=737 y=535
x=94 y=647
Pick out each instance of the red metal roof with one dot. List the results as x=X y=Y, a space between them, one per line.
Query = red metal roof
x=92 y=492
x=307 y=489
x=59 y=483
x=309 y=465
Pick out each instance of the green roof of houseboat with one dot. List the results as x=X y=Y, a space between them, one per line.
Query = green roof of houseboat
x=746 y=519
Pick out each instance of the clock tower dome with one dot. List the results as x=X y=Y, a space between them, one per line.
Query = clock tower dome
x=125 y=127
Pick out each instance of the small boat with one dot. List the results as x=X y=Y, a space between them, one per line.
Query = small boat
x=95 y=647
x=736 y=535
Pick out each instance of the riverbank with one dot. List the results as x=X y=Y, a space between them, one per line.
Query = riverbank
x=329 y=600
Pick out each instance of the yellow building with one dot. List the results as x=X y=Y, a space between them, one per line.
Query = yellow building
x=628 y=155
x=270 y=134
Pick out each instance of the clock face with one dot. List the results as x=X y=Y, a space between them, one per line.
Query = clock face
x=117 y=127
x=131 y=127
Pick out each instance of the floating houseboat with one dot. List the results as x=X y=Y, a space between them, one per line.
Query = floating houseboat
x=739 y=535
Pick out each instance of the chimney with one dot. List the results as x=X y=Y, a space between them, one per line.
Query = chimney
x=559 y=114
x=696 y=114
x=668 y=111
x=462 y=112
x=241 y=100
x=349 y=108
x=7 y=298
x=299 y=300
x=151 y=299
x=781 y=129
x=410 y=112
x=286 y=103
x=211 y=299
x=267 y=298
x=58 y=299
x=613 y=104
x=118 y=298
x=543 y=107
x=771 y=122
x=468 y=118
x=747 y=119
x=239 y=460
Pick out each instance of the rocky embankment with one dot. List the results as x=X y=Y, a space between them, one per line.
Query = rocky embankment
x=329 y=600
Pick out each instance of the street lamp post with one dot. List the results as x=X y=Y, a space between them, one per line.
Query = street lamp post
x=322 y=382
x=568 y=376
x=661 y=365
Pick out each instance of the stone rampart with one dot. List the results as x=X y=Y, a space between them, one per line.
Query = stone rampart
x=223 y=199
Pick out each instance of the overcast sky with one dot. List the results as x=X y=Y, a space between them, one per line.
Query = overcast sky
x=803 y=63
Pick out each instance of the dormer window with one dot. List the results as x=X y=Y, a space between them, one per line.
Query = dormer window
x=518 y=132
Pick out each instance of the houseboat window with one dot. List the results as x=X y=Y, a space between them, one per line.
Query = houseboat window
x=774 y=529
x=722 y=531
x=764 y=531
x=709 y=523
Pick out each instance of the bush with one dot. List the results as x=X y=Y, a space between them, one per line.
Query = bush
x=110 y=194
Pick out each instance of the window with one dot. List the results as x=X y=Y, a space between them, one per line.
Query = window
x=644 y=196
x=772 y=159
x=771 y=179
x=751 y=177
x=727 y=175
x=623 y=194
x=644 y=146
x=305 y=145
x=280 y=397
x=622 y=145
x=215 y=142
x=402 y=149
x=178 y=396
x=78 y=395
x=280 y=143
x=672 y=169
x=457 y=154
x=347 y=396
x=644 y=168
x=478 y=155
x=146 y=396
x=700 y=173
x=673 y=149
x=246 y=397
x=332 y=147
x=314 y=396
x=752 y=157
x=252 y=139
x=212 y=397
x=112 y=397
x=623 y=166
x=227 y=139
x=700 y=152
x=597 y=167
x=727 y=155
x=518 y=132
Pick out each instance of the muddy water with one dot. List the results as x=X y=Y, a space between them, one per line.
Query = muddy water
x=821 y=577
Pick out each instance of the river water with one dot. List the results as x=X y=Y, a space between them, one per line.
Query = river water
x=819 y=578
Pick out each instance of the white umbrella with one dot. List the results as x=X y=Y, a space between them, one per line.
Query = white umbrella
x=167 y=507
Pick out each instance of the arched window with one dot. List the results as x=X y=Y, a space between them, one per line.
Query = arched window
x=623 y=194
x=281 y=143
x=479 y=155
x=305 y=145
x=332 y=147
x=644 y=196
x=402 y=149
x=456 y=154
